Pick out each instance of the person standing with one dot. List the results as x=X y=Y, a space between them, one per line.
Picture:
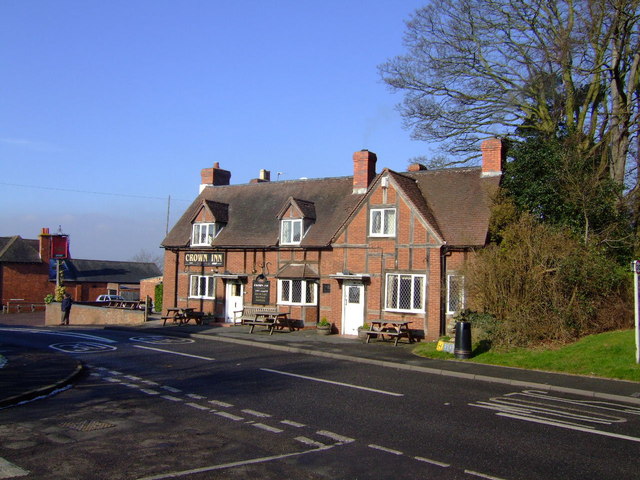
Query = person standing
x=67 y=301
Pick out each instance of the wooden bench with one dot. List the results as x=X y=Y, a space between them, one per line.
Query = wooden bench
x=250 y=314
x=269 y=317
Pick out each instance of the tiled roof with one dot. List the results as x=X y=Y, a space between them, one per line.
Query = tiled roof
x=254 y=208
x=298 y=270
x=460 y=201
x=18 y=250
x=78 y=270
x=455 y=202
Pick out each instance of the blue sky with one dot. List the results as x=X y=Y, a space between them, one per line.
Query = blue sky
x=107 y=108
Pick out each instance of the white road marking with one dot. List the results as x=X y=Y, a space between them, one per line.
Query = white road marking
x=230 y=416
x=252 y=461
x=148 y=391
x=267 y=428
x=255 y=413
x=174 y=353
x=173 y=399
x=308 y=441
x=385 y=449
x=579 y=415
x=335 y=436
x=482 y=475
x=161 y=340
x=599 y=404
x=291 y=423
x=9 y=470
x=82 y=347
x=571 y=427
x=195 y=396
x=170 y=389
x=220 y=404
x=198 y=406
x=321 y=380
x=433 y=462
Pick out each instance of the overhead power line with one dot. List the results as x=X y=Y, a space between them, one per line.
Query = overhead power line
x=72 y=190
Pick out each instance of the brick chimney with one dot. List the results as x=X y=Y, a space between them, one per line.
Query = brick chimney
x=265 y=176
x=45 y=245
x=215 y=176
x=416 y=167
x=364 y=169
x=492 y=157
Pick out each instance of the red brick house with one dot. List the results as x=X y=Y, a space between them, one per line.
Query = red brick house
x=350 y=249
x=27 y=274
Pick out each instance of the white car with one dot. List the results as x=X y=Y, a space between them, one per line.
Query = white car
x=110 y=298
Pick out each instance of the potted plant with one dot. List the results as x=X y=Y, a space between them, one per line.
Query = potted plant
x=323 y=327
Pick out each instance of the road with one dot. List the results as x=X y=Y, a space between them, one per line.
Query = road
x=156 y=407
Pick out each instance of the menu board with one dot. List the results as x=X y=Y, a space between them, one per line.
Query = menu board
x=261 y=291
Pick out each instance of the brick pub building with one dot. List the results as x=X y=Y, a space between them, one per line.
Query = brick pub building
x=349 y=249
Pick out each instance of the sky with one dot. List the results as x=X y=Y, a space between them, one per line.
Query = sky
x=110 y=109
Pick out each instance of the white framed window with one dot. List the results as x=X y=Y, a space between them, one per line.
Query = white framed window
x=405 y=292
x=201 y=286
x=455 y=293
x=202 y=234
x=382 y=222
x=297 y=292
x=291 y=231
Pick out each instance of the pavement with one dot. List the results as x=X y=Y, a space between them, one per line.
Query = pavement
x=26 y=374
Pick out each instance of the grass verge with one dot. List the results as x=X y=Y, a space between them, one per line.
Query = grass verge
x=609 y=355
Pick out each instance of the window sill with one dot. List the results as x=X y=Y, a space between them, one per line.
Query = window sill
x=415 y=312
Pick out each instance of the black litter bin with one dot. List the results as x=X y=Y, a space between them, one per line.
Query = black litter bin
x=462 y=346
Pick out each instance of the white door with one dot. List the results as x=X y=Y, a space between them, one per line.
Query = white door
x=233 y=300
x=353 y=307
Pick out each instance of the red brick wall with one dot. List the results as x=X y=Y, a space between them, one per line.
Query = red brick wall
x=28 y=281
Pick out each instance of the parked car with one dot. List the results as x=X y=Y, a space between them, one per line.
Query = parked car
x=110 y=298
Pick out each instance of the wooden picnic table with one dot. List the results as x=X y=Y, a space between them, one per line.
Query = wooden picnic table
x=128 y=304
x=181 y=316
x=271 y=320
x=392 y=328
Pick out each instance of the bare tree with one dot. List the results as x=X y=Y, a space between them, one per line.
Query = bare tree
x=148 y=257
x=479 y=68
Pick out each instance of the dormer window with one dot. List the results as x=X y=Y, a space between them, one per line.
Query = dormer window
x=383 y=222
x=291 y=231
x=296 y=217
x=203 y=234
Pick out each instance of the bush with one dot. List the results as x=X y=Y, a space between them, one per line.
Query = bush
x=542 y=285
x=157 y=300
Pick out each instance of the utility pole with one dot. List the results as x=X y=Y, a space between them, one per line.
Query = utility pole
x=635 y=265
x=168 y=210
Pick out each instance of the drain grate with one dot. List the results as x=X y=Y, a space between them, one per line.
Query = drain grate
x=87 y=425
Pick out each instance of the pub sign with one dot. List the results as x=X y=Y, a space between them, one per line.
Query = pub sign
x=205 y=259
x=60 y=247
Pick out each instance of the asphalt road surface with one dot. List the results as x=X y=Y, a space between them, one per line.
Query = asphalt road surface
x=160 y=407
